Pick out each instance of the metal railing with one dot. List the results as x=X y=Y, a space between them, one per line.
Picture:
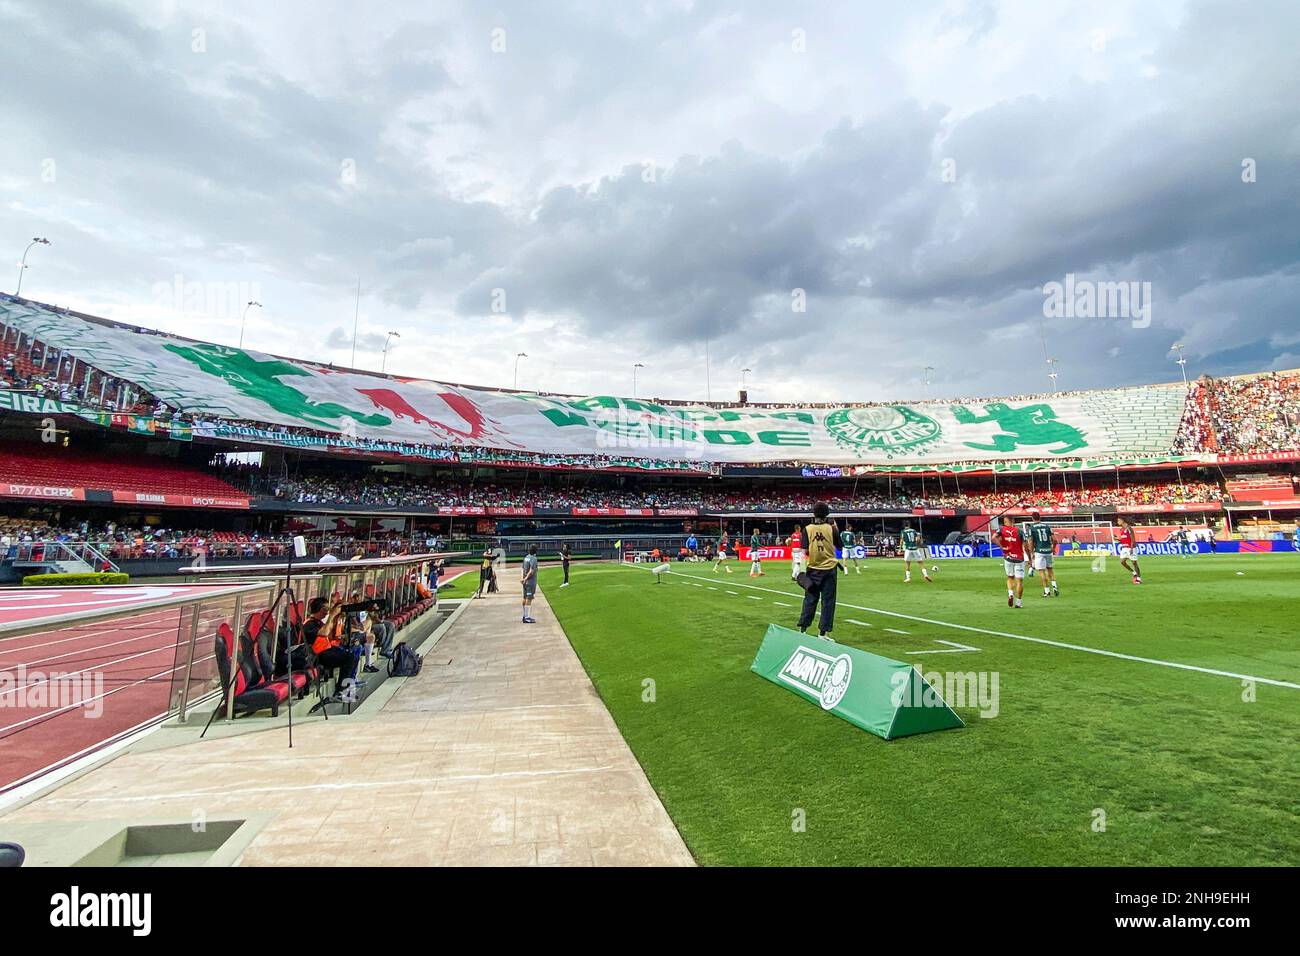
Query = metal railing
x=147 y=659
x=396 y=578
x=49 y=552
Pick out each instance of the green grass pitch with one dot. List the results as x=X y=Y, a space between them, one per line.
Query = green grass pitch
x=1091 y=759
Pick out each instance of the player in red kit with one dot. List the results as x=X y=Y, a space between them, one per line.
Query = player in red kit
x=798 y=557
x=1013 y=561
x=1124 y=537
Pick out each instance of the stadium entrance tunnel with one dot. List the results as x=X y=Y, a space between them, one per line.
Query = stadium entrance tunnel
x=124 y=843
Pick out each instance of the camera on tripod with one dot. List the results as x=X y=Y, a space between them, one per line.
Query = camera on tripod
x=379 y=604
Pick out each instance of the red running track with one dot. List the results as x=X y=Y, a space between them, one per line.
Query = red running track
x=72 y=690
x=19 y=606
x=120 y=675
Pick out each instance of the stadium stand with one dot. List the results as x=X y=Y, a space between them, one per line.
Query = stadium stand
x=1255 y=413
x=1261 y=488
x=425 y=493
x=35 y=464
x=293 y=486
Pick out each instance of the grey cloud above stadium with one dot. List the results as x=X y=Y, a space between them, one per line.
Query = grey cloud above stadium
x=525 y=173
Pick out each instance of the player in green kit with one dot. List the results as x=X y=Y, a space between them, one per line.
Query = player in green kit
x=755 y=559
x=913 y=550
x=1043 y=542
x=846 y=550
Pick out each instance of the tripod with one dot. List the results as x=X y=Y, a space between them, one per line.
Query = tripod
x=285 y=591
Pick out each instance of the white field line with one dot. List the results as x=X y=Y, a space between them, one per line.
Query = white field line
x=1116 y=655
x=83 y=703
x=101 y=666
x=96 y=647
x=955 y=648
x=110 y=627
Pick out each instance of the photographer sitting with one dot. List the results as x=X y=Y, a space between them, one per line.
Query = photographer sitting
x=384 y=630
x=367 y=625
x=324 y=632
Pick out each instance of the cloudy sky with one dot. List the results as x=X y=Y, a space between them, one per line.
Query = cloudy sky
x=833 y=195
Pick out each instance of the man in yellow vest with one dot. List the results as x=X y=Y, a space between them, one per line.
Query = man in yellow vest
x=819 y=537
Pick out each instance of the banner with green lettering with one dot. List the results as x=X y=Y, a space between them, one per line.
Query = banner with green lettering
x=885 y=697
x=218 y=382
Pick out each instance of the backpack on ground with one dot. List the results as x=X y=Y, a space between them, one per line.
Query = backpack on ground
x=404 y=662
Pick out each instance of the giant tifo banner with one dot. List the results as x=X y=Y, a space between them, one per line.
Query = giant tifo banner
x=218 y=382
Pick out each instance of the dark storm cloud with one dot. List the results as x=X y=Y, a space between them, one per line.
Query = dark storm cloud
x=1087 y=182
x=227 y=160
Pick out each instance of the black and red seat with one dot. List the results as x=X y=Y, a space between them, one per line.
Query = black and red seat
x=259 y=628
x=249 y=696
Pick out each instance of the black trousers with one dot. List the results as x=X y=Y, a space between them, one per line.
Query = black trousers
x=821 y=585
x=566 y=572
x=344 y=660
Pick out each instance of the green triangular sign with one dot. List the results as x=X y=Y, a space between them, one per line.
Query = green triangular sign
x=885 y=697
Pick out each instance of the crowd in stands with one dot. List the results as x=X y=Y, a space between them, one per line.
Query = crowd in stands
x=1260 y=413
x=120 y=543
x=1101 y=496
x=397 y=492
x=1241 y=416
x=126 y=543
x=46 y=374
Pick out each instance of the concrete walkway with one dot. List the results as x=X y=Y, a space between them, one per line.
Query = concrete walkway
x=498 y=753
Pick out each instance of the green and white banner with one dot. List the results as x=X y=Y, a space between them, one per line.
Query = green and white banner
x=33 y=404
x=885 y=697
x=219 y=382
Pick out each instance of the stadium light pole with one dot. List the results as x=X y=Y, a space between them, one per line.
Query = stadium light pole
x=22 y=266
x=1182 y=362
x=708 y=383
x=1052 y=373
x=518 y=356
x=929 y=372
x=634 y=368
x=383 y=363
x=356 y=319
x=244 y=321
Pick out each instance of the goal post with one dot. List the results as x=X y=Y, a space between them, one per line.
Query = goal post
x=1092 y=533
